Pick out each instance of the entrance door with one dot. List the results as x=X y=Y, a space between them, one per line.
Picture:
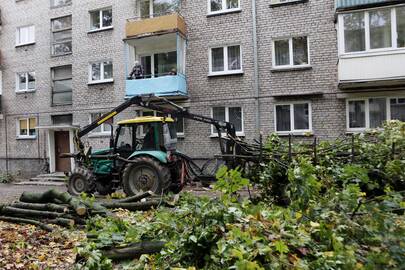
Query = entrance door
x=62 y=145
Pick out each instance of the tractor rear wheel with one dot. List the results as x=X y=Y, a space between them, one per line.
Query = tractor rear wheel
x=80 y=181
x=145 y=174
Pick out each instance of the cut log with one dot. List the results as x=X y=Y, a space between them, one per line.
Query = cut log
x=134 y=251
x=64 y=222
x=41 y=207
x=27 y=221
x=12 y=211
x=142 y=206
x=136 y=198
x=51 y=195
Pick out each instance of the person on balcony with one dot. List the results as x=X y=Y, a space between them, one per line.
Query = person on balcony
x=173 y=72
x=137 y=72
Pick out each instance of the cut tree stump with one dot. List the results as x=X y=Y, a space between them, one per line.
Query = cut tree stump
x=12 y=211
x=27 y=221
x=41 y=207
x=134 y=250
x=51 y=195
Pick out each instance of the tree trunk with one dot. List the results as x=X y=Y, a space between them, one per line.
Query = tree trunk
x=51 y=195
x=27 y=221
x=133 y=206
x=134 y=250
x=41 y=207
x=68 y=223
x=136 y=198
x=7 y=210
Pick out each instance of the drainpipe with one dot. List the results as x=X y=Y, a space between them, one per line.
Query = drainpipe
x=6 y=135
x=256 y=69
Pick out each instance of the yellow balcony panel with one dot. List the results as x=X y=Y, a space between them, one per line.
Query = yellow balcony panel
x=152 y=26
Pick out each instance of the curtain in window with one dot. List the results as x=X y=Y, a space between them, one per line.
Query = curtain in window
x=32 y=125
x=234 y=58
x=235 y=117
x=354 y=32
x=300 y=50
x=401 y=26
x=398 y=109
x=282 y=52
x=23 y=127
x=378 y=111
x=357 y=114
x=22 y=81
x=217 y=56
x=301 y=116
x=380 y=29
x=283 y=121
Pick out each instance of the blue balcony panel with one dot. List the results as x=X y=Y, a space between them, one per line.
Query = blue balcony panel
x=161 y=86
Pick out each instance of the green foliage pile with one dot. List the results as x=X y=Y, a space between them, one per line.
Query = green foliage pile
x=336 y=215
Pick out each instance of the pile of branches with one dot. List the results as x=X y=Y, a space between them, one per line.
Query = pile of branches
x=60 y=208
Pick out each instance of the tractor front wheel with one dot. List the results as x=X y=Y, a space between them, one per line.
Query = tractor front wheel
x=80 y=181
x=145 y=174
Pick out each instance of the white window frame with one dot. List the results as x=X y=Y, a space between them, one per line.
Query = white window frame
x=53 y=32
x=291 y=51
x=17 y=82
x=30 y=27
x=368 y=50
x=103 y=131
x=100 y=12
x=214 y=132
x=19 y=136
x=60 y=5
x=367 y=111
x=224 y=9
x=142 y=134
x=225 y=71
x=102 y=80
x=294 y=131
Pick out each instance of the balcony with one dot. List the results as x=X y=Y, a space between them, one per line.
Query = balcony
x=161 y=63
x=136 y=28
x=353 y=4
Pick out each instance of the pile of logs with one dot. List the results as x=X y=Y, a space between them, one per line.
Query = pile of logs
x=60 y=208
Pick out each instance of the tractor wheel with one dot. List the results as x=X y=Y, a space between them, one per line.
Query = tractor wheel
x=145 y=174
x=80 y=181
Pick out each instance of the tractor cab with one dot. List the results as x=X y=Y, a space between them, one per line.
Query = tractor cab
x=149 y=135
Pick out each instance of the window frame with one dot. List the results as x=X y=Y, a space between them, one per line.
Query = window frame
x=367 y=111
x=103 y=131
x=102 y=80
x=214 y=132
x=58 y=31
x=100 y=12
x=223 y=10
x=294 y=131
x=17 y=82
x=291 y=53
x=18 y=127
x=64 y=79
x=225 y=51
x=18 y=42
x=59 y=6
x=394 y=32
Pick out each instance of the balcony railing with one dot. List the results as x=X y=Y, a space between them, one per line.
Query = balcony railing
x=156 y=25
x=349 y=4
x=170 y=85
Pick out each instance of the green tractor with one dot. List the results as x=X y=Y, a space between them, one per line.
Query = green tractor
x=142 y=155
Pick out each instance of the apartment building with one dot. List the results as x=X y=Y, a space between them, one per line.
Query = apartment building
x=302 y=67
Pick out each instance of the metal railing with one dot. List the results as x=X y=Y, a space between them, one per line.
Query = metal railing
x=155 y=15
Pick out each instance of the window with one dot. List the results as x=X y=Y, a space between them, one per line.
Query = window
x=159 y=64
x=26 y=128
x=293 y=118
x=60 y=3
x=104 y=128
x=101 y=72
x=60 y=120
x=101 y=19
x=373 y=112
x=25 y=81
x=25 y=35
x=179 y=121
x=222 y=6
x=225 y=60
x=233 y=115
x=155 y=8
x=377 y=29
x=290 y=52
x=61 y=35
x=62 y=85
